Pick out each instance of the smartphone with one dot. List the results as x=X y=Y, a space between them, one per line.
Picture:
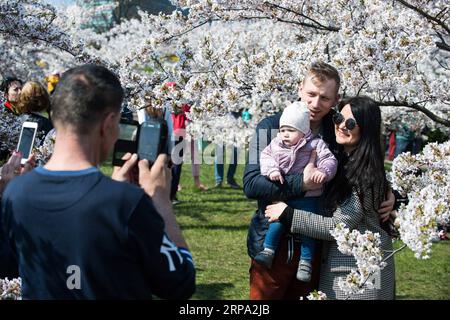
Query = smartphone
x=152 y=139
x=26 y=140
x=127 y=142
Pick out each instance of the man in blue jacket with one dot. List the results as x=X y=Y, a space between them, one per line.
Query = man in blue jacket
x=319 y=90
x=77 y=234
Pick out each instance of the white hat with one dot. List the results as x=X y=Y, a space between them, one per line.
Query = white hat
x=296 y=115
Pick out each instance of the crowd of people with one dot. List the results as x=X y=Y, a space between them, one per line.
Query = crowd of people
x=69 y=239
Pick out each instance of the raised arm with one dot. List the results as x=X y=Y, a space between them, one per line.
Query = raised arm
x=316 y=226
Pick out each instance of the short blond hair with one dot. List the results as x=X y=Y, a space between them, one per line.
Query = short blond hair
x=320 y=71
x=33 y=98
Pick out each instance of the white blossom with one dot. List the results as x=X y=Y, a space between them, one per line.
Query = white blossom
x=316 y=295
x=369 y=257
x=425 y=179
x=11 y=289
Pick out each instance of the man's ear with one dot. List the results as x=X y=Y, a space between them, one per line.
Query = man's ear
x=108 y=123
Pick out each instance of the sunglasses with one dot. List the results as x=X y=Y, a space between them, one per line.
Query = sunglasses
x=350 y=123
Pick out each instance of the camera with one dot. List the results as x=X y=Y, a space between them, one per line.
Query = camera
x=148 y=140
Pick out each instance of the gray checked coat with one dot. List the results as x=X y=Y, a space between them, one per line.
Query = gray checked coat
x=334 y=263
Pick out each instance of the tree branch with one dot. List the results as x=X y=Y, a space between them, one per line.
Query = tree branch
x=189 y=30
x=443 y=46
x=304 y=24
x=317 y=25
x=426 y=15
x=417 y=107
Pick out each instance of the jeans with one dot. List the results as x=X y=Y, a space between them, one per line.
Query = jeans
x=219 y=164
x=276 y=229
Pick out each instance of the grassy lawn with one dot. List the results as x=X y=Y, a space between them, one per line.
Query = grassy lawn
x=215 y=225
x=424 y=279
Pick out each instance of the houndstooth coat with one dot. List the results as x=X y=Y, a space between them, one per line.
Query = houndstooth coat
x=336 y=264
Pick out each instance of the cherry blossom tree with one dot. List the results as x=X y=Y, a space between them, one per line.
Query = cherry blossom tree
x=249 y=55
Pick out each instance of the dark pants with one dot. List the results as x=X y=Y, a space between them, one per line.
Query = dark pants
x=176 y=173
x=280 y=282
x=219 y=164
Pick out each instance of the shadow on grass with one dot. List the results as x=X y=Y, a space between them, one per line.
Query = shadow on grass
x=212 y=291
x=232 y=199
x=191 y=210
x=216 y=227
x=202 y=212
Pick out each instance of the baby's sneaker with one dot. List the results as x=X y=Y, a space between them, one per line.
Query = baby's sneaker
x=304 y=271
x=265 y=257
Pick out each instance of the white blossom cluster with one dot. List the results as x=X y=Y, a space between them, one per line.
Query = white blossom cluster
x=230 y=56
x=425 y=179
x=11 y=289
x=380 y=48
x=10 y=126
x=369 y=257
x=316 y=295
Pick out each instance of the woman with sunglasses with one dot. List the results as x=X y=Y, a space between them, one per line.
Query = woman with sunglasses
x=353 y=199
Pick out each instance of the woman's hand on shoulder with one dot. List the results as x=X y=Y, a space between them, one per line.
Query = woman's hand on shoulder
x=387 y=206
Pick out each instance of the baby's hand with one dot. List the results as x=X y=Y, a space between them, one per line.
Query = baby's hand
x=318 y=177
x=276 y=176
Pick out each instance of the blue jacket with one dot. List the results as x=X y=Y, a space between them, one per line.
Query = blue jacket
x=265 y=191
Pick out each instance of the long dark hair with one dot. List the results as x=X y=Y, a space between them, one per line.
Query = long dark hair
x=363 y=168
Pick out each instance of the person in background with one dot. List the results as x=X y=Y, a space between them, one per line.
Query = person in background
x=10 y=89
x=52 y=80
x=195 y=150
x=179 y=121
x=220 y=159
x=179 y=135
x=34 y=101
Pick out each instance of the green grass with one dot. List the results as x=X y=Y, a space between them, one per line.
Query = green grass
x=424 y=279
x=215 y=224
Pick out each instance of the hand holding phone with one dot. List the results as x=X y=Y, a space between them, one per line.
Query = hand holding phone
x=152 y=139
x=129 y=171
x=127 y=142
x=148 y=140
x=26 y=140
